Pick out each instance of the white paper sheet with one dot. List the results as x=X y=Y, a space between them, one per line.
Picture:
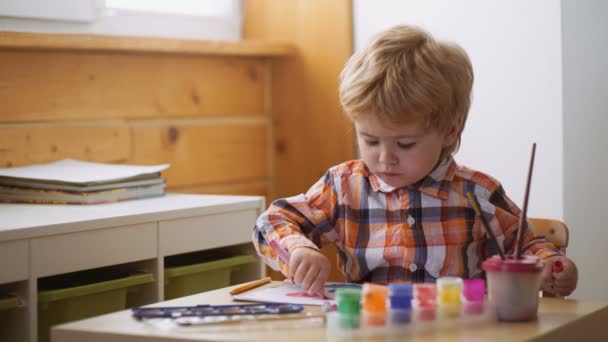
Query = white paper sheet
x=75 y=171
x=293 y=294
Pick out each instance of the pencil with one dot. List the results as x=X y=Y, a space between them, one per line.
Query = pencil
x=486 y=225
x=250 y=285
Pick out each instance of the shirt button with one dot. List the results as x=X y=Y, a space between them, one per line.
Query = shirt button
x=410 y=220
x=413 y=267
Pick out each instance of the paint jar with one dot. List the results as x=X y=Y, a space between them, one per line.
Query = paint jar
x=424 y=302
x=449 y=290
x=399 y=303
x=473 y=292
x=348 y=308
x=513 y=286
x=374 y=298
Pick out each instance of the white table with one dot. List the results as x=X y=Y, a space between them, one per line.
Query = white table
x=43 y=240
x=559 y=320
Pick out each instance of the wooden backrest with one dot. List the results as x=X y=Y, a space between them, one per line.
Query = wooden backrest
x=554 y=230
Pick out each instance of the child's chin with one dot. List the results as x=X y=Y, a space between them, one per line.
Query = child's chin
x=394 y=183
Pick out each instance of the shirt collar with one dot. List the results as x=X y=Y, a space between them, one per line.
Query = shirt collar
x=435 y=184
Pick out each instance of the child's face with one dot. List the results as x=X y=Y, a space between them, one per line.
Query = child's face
x=400 y=155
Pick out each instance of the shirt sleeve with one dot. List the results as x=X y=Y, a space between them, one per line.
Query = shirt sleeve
x=507 y=216
x=298 y=221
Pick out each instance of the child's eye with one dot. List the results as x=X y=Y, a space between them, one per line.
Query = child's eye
x=406 y=146
x=371 y=142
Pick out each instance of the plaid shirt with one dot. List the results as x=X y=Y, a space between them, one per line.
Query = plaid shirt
x=385 y=234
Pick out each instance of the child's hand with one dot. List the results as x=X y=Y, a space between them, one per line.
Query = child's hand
x=559 y=276
x=310 y=269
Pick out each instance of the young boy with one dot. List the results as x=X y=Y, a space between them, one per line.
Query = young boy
x=401 y=213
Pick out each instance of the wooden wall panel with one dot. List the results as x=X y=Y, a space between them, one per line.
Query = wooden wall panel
x=54 y=86
x=311 y=132
x=28 y=144
x=259 y=188
x=204 y=154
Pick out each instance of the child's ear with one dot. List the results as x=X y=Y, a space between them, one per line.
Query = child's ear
x=451 y=135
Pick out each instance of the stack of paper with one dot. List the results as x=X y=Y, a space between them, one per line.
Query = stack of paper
x=76 y=182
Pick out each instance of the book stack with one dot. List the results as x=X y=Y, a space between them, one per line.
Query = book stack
x=71 y=181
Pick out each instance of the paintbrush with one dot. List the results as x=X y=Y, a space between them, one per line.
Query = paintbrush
x=524 y=212
x=486 y=225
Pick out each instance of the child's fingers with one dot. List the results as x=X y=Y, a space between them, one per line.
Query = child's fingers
x=562 y=282
x=300 y=272
x=546 y=277
x=563 y=290
x=318 y=285
x=309 y=279
x=294 y=263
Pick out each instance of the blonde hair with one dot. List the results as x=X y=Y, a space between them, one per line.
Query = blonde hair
x=404 y=75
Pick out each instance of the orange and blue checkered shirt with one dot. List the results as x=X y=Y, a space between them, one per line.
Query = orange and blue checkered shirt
x=385 y=234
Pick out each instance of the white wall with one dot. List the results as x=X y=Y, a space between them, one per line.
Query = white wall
x=515 y=49
x=585 y=141
x=541 y=69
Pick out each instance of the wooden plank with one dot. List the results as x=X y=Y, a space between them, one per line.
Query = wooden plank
x=203 y=154
x=55 y=86
x=309 y=126
x=89 y=42
x=28 y=144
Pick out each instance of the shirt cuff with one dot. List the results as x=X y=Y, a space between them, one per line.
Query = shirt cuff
x=294 y=241
x=547 y=253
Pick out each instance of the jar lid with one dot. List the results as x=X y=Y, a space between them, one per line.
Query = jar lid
x=525 y=264
x=425 y=293
x=348 y=295
x=374 y=297
x=400 y=290
x=473 y=289
x=451 y=282
x=348 y=301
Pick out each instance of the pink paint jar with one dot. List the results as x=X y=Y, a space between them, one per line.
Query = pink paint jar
x=513 y=286
x=473 y=293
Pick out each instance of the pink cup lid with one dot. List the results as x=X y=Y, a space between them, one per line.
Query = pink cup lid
x=474 y=289
x=526 y=264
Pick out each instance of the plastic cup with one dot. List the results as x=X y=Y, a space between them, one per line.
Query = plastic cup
x=373 y=319
x=399 y=303
x=373 y=305
x=513 y=286
x=348 y=308
x=374 y=297
x=447 y=311
x=400 y=296
x=449 y=290
x=425 y=294
x=473 y=292
x=423 y=312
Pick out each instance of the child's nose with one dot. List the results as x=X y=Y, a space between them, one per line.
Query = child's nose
x=387 y=157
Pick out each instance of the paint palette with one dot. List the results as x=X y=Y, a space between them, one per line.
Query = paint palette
x=215 y=310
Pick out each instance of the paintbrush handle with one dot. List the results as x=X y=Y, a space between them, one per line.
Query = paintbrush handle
x=485 y=223
x=236 y=320
x=524 y=212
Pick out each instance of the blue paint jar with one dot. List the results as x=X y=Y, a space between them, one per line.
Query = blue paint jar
x=400 y=303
